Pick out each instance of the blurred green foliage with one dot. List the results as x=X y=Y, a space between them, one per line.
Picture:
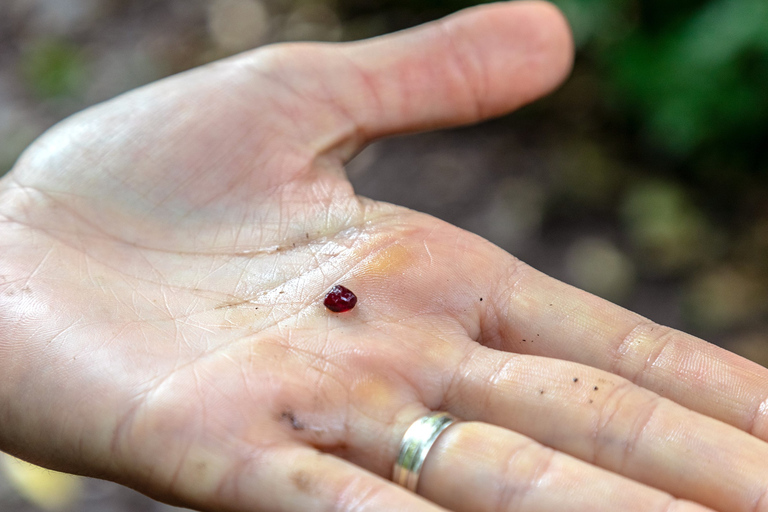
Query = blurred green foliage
x=54 y=68
x=668 y=231
x=691 y=76
x=697 y=80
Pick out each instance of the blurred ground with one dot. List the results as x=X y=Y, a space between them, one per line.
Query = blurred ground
x=568 y=185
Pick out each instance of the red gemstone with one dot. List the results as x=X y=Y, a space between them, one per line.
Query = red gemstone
x=340 y=299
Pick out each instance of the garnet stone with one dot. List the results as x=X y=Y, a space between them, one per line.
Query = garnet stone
x=340 y=299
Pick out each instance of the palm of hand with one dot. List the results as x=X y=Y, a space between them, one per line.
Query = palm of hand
x=218 y=248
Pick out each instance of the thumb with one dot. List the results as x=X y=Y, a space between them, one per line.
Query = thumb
x=479 y=63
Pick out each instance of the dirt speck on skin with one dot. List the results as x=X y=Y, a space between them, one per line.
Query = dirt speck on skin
x=303 y=481
x=200 y=469
x=289 y=417
x=335 y=447
x=232 y=304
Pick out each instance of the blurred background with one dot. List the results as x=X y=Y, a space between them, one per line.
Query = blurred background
x=643 y=180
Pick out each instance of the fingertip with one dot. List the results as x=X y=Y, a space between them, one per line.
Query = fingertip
x=556 y=42
x=540 y=49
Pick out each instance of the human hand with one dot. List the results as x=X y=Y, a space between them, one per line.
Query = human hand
x=164 y=261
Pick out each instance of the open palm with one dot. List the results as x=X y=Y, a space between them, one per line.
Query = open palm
x=164 y=261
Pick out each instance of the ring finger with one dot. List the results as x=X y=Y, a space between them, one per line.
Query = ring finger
x=479 y=467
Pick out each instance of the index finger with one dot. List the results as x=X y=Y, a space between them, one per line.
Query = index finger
x=535 y=314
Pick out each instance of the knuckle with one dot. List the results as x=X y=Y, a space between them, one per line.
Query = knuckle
x=518 y=485
x=622 y=419
x=477 y=380
x=761 y=503
x=636 y=353
x=507 y=303
x=758 y=425
x=359 y=494
x=457 y=387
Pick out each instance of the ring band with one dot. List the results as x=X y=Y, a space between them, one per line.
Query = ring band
x=415 y=446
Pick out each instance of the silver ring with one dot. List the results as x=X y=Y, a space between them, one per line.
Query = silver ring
x=415 y=446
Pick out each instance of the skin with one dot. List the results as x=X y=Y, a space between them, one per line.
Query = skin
x=163 y=262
